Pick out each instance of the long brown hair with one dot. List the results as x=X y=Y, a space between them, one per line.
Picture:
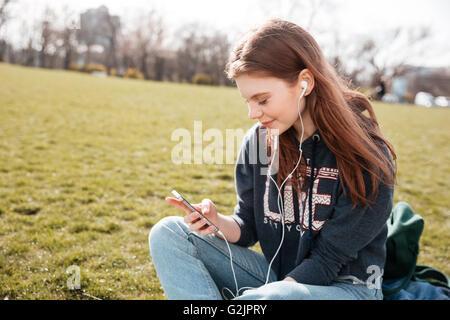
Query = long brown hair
x=282 y=49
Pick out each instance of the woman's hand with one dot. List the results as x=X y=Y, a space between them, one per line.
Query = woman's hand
x=289 y=279
x=196 y=223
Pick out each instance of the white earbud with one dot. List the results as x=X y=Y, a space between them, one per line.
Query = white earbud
x=304 y=84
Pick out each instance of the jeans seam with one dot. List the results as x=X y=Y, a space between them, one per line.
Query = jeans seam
x=354 y=289
x=183 y=233
x=209 y=281
x=234 y=261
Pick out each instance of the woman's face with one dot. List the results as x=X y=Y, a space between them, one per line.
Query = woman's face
x=272 y=101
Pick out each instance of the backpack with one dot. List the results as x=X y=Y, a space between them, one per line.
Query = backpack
x=402 y=249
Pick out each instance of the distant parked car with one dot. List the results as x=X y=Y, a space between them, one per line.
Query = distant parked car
x=389 y=97
x=424 y=99
x=442 y=101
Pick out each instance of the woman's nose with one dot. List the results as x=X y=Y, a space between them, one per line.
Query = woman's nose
x=254 y=112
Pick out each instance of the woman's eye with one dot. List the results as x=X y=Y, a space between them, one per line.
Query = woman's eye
x=263 y=102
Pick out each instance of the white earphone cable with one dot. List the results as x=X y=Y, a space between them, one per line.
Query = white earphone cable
x=279 y=200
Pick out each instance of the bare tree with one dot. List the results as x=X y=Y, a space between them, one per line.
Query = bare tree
x=190 y=53
x=201 y=49
x=303 y=12
x=68 y=36
x=125 y=52
x=48 y=37
x=348 y=56
x=30 y=35
x=216 y=50
x=365 y=59
x=389 y=54
x=148 y=37
x=4 y=16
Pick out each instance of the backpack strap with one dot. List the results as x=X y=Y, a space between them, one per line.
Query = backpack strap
x=431 y=275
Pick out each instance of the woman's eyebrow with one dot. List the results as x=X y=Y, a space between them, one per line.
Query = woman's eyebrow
x=256 y=95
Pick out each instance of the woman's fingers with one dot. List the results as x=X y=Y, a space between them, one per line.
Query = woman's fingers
x=197 y=225
x=191 y=217
x=206 y=205
x=202 y=227
x=206 y=231
x=177 y=203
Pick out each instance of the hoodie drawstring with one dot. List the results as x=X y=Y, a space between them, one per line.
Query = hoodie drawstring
x=315 y=138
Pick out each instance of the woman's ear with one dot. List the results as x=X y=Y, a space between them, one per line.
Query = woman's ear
x=307 y=76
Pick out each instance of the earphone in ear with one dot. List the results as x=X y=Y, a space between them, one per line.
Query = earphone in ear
x=304 y=84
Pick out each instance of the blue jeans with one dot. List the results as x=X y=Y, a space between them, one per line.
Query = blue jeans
x=194 y=267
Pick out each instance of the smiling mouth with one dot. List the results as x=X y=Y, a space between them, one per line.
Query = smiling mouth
x=267 y=123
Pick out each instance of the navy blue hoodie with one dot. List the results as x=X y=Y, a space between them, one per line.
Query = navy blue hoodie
x=345 y=245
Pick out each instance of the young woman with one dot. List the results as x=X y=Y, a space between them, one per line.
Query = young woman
x=319 y=212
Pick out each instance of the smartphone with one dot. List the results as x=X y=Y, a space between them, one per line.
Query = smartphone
x=191 y=207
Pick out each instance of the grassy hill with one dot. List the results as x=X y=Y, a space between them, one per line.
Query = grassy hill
x=85 y=165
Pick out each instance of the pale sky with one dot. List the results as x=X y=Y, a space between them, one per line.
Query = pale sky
x=350 y=18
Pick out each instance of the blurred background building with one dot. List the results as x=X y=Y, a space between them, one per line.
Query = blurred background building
x=391 y=51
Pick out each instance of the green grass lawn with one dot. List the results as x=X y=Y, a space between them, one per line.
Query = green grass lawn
x=85 y=165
